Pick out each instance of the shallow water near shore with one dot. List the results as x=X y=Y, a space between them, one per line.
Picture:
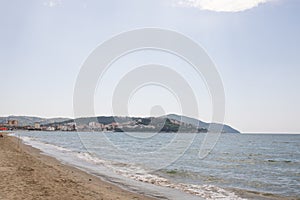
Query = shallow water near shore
x=266 y=164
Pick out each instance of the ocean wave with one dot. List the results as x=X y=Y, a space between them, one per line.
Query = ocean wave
x=209 y=192
x=41 y=145
x=279 y=161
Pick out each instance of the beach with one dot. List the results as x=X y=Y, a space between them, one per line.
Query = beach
x=25 y=173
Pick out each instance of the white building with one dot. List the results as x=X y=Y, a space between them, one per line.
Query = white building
x=37 y=125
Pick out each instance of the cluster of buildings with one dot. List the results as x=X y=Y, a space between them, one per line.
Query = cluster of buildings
x=96 y=126
x=14 y=125
x=113 y=126
x=55 y=127
x=71 y=126
x=10 y=125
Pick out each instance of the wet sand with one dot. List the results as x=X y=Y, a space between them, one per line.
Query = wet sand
x=26 y=174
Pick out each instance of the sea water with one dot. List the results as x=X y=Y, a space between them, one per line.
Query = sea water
x=167 y=165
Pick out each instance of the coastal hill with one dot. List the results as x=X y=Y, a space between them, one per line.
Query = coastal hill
x=167 y=123
x=29 y=121
x=199 y=123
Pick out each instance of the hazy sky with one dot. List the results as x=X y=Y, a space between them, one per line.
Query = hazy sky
x=254 y=44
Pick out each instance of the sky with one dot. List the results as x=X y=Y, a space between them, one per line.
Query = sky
x=254 y=44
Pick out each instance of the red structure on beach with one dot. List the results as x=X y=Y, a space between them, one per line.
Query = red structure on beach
x=3 y=129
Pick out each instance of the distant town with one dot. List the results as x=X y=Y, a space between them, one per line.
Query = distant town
x=168 y=123
x=14 y=125
x=142 y=125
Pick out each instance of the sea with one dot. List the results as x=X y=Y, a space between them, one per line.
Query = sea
x=168 y=165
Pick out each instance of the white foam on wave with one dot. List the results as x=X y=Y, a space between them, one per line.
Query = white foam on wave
x=41 y=145
x=139 y=173
x=90 y=158
x=209 y=192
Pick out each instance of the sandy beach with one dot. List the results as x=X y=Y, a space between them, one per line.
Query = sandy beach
x=27 y=174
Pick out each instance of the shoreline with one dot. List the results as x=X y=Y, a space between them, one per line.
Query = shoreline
x=26 y=173
x=22 y=166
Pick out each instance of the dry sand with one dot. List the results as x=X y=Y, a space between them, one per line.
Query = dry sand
x=27 y=174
